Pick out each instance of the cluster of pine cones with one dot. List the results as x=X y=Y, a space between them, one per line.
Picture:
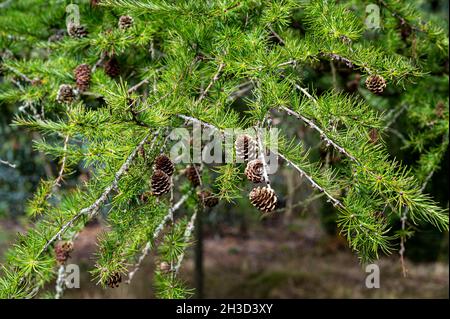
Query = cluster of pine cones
x=82 y=73
x=161 y=181
x=263 y=198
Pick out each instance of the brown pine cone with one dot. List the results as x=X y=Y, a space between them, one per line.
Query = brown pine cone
x=77 y=31
x=112 y=67
x=192 y=174
x=125 y=22
x=254 y=171
x=82 y=76
x=164 y=163
x=208 y=199
x=65 y=95
x=114 y=280
x=245 y=147
x=161 y=183
x=263 y=198
x=374 y=136
x=62 y=251
x=375 y=84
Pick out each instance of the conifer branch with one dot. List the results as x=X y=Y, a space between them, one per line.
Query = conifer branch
x=63 y=164
x=20 y=74
x=93 y=209
x=187 y=236
x=261 y=156
x=213 y=80
x=137 y=86
x=155 y=235
x=313 y=183
x=7 y=163
x=60 y=281
x=318 y=129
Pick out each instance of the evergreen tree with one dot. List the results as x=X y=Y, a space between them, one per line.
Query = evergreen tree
x=104 y=89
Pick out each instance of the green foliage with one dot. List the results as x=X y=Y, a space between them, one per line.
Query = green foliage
x=226 y=64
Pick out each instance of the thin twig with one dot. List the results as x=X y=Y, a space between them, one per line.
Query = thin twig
x=99 y=61
x=20 y=74
x=314 y=184
x=396 y=115
x=276 y=35
x=213 y=80
x=63 y=164
x=148 y=245
x=8 y=163
x=137 y=86
x=262 y=157
x=154 y=103
x=187 y=235
x=402 y=243
x=60 y=282
x=318 y=129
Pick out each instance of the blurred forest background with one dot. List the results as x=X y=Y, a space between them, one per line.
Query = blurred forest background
x=298 y=253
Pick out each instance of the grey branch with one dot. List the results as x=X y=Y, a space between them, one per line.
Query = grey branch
x=262 y=157
x=137 y=86
x=60 y=282
x=314 y=184
x=7 y=163
x=187 y=235
x=20 y=74
x=63 y=164
x=93 y=209
x=320 y=131
x=148 y=245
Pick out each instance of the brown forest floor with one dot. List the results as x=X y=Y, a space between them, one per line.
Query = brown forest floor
x=273 y=263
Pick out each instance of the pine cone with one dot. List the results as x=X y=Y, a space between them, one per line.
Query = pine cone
x=82 y=76
x=245 y=147
x=208 y=199
x=95 y=3
x=125 y=22
x=263 y=198
x=192 y=175
x=164 y=267
x=160 y=183
x=254 y=171
x=374 y=135
x=65 y=94
x=164 y=163
x=112 y=67
x=114 y=280
x=77 y=31
x=62 y=251
x=375 y=84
